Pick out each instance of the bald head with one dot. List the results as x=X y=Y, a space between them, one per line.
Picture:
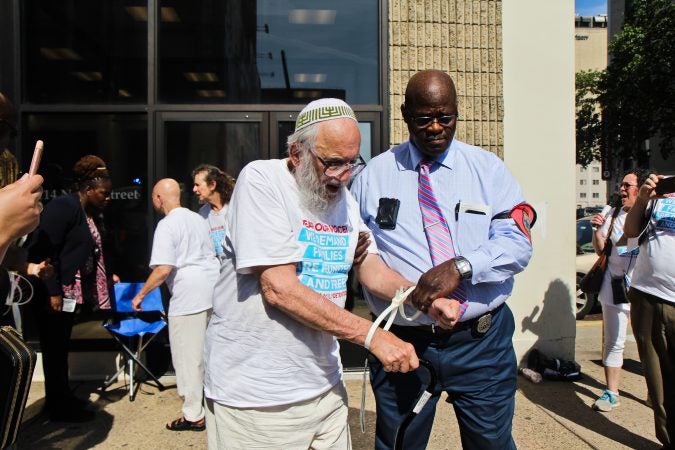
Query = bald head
x=166 y=195
x=429 y=84
x=430 y=111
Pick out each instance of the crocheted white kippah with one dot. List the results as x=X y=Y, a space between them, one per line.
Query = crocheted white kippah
x=323 y=109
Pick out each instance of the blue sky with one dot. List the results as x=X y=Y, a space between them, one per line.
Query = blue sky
x=590 y=7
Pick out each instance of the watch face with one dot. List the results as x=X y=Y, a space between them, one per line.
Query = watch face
x=464 y=267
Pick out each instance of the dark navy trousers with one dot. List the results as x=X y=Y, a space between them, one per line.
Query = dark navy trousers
x=478 y=373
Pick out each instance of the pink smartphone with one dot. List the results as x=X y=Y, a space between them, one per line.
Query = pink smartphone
x=37 y=156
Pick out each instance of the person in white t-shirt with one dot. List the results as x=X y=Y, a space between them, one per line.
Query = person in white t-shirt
x=213 y=188
x=273 y=372
x=652 y=299
x=615 y=306
x=184 y=258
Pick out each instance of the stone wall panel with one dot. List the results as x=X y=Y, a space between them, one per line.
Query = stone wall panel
x=463 y=38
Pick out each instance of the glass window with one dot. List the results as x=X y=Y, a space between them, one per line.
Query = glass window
x=582 y=182
x=286 y=128
x=582 y=195
x=82 y=51
x=596 y=182
x=268 y=51
x=121 y=140
x=366 y=140
x=596 y=195
x=227 y=145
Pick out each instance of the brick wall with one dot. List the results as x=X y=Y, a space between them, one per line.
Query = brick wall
x=463 y=38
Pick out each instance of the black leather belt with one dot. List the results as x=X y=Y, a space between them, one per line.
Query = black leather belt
x=479 y=326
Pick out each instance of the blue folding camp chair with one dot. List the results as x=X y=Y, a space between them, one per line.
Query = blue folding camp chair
x=127 y=326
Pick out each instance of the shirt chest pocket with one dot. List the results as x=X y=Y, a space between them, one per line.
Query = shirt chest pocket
x=472 y=229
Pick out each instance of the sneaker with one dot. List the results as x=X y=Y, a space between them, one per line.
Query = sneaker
x=606 y=402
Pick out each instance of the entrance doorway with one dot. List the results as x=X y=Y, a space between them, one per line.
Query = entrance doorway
x=230 y=140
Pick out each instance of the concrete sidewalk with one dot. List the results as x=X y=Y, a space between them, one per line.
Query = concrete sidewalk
x=550 y=415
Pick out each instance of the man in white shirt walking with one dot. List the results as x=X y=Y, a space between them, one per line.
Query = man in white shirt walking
x=273 y=373
x=183 y=257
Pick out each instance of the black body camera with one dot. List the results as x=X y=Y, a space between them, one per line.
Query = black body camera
x=387 y=212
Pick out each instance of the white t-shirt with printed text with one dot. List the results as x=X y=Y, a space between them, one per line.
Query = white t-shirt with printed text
x=255 y=354
x=217 y=224
x=654 y=271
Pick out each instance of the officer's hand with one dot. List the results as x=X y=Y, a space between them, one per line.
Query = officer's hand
x=361 y=248
x=394 y=354
x=446 y=312
x=438 y=282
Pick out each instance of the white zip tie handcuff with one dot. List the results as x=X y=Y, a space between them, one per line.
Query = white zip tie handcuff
x=397 y=305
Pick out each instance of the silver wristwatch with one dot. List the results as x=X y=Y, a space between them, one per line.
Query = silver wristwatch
x=463 y=267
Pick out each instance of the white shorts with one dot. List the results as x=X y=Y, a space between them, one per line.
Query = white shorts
x=319 y=423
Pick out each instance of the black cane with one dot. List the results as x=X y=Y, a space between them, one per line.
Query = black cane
x=419 y=404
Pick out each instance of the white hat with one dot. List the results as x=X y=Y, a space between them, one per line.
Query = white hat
x=323 y=109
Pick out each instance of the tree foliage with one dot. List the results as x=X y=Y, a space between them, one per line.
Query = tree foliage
x=636 y=92
x=588 y=123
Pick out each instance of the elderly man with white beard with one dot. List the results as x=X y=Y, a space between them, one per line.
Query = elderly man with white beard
x=273 y=371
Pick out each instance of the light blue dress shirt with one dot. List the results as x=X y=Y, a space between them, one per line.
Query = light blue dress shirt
x=471 y=185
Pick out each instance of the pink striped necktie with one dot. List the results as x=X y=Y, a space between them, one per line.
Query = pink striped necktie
x=435 y=226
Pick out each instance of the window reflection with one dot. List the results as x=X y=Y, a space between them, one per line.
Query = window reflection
x=227 y=145
x=121 y=140
x=270 y=51
x=79 y=51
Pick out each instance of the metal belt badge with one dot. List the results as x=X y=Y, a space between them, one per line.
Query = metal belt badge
x=482 y=325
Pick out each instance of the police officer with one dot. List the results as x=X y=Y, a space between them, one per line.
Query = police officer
x=452 y=217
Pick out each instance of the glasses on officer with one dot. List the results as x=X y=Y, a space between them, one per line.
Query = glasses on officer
x=445 y=121
x=336 y=169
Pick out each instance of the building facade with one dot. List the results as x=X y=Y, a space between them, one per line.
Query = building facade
x=590 y=53
x=591 y=189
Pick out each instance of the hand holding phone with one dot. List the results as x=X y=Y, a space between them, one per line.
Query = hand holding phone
x=665 y=186
x=37 y=156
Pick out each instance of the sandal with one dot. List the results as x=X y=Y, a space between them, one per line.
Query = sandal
x=182 y=424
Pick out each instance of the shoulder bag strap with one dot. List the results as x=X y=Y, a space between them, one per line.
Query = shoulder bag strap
x=608 y=242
